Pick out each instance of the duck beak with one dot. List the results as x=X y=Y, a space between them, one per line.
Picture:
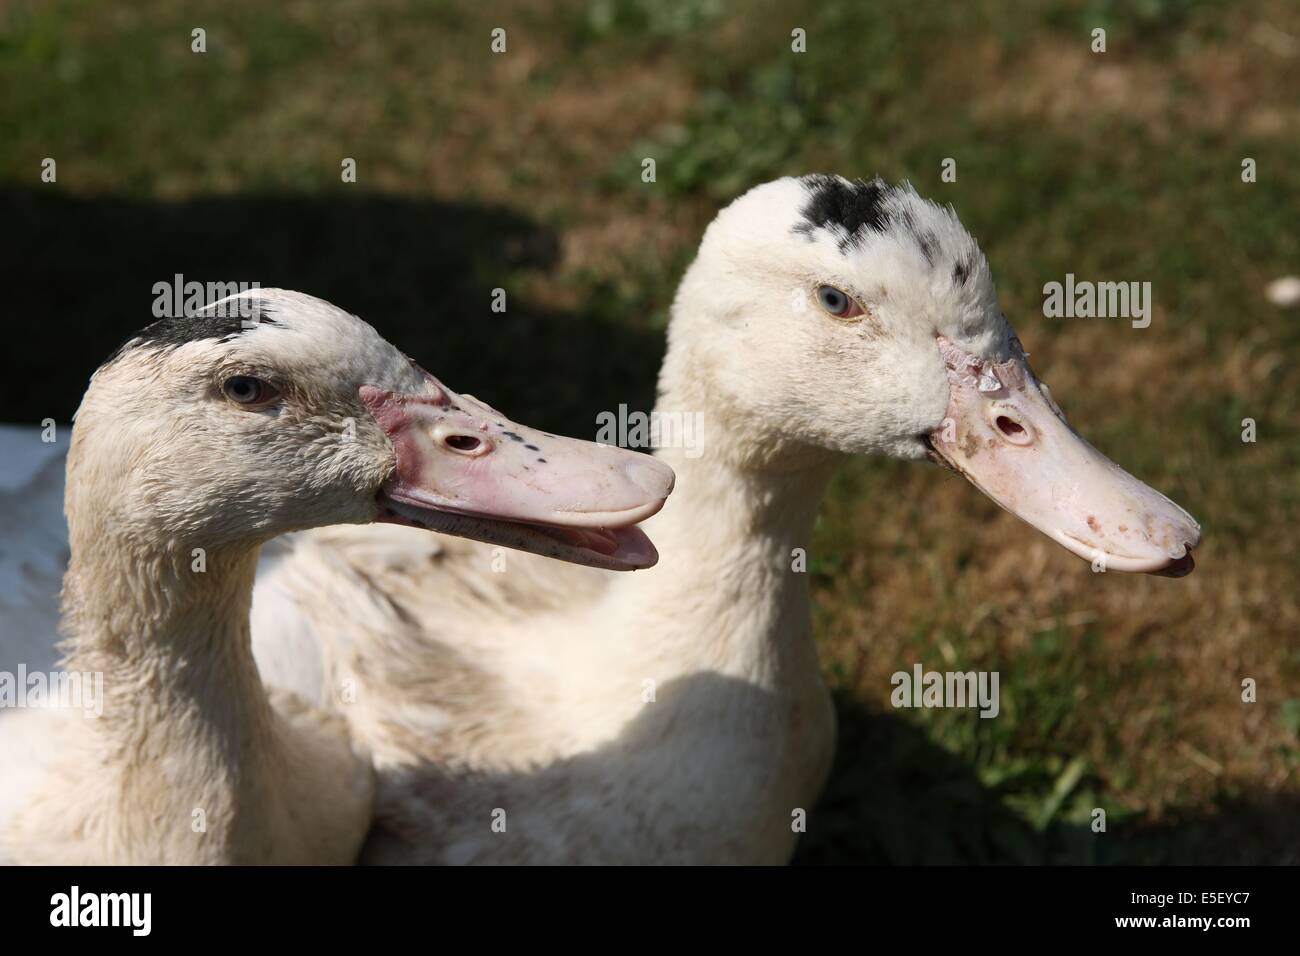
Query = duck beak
x=1004 y=432
x=465 y=469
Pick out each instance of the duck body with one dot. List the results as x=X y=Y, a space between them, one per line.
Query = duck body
x=188 y=758
x=704 y=763
x=625 y=733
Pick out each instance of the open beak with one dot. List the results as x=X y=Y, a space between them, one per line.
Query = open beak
x=1004 y=432
x=465 y=469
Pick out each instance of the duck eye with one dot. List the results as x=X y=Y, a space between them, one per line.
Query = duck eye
x=247 y=390
x=837 y=303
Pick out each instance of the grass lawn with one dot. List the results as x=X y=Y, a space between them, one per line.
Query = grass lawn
x=522 y=171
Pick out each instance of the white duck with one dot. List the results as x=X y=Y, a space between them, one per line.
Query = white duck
x=202 y=438
x=678 y=715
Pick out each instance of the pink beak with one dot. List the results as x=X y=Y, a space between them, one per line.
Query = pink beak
x=1004 y=432
x=465 y=469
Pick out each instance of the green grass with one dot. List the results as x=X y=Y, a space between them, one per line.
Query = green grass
x=523 y=171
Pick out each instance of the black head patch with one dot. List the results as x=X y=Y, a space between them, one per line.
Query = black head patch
x=961 y=272
x=853 y=205
x=177 y=330
x=873 y=207
x=929 y=244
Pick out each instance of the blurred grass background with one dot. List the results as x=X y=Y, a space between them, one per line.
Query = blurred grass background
x=522 y=171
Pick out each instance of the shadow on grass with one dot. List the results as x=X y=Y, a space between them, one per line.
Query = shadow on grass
x=79 y=272
x=894 y=797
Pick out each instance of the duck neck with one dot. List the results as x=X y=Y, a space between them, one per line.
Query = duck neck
x=186 y=728
x=731 y=589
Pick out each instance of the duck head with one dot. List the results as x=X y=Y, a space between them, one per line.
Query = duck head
x=281 y=412
x=858 y=317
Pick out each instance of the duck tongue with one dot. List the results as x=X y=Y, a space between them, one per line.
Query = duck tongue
x=1004 y=432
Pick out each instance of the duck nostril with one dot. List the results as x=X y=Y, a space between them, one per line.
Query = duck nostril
x=462 y=442
x=1013 y=430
